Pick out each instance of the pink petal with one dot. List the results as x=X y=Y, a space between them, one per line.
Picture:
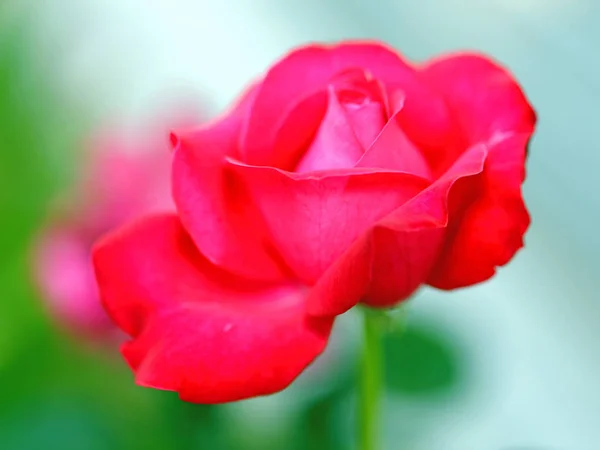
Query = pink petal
x=335 y=145
x=424 y=116
x=393 y=150
x=297 y=128
x=484 y=97
x=196 y=329
x=367 y=119
x=313 y=218
x=308 y=70
x=213 y=206
x=488 y=218
x=365 y=102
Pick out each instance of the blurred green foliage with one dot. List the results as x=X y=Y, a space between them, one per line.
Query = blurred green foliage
x=420 y=361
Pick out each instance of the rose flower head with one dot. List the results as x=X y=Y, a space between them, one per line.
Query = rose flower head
x=345 y=174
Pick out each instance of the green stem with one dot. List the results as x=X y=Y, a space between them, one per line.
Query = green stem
x=371 y=373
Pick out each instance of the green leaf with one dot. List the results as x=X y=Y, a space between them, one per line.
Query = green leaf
x=421 y=360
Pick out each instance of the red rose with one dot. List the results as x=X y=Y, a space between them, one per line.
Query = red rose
x=344 y=175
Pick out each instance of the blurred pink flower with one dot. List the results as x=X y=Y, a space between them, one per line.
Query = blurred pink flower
x=124 y=175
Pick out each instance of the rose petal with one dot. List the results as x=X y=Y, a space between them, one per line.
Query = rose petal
x=365 y=102
x=367 y=119
x=296 y=129
x=393 y=150
x=196 y=329
x=310 y=69
x=313 y=218
x=336 y=145
x=429 y=123
x=213 y=206
x=484 y=97
x=490 y=230
x=491 y=108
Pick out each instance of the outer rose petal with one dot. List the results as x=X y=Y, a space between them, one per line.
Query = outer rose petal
x=491 y=108
x=485 y=99
x=196 y=329
x=318 y=65
x=213 y=207
x=490 y=231
x=313 y=218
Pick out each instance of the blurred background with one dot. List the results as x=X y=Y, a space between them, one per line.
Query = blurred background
x=511 y=364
